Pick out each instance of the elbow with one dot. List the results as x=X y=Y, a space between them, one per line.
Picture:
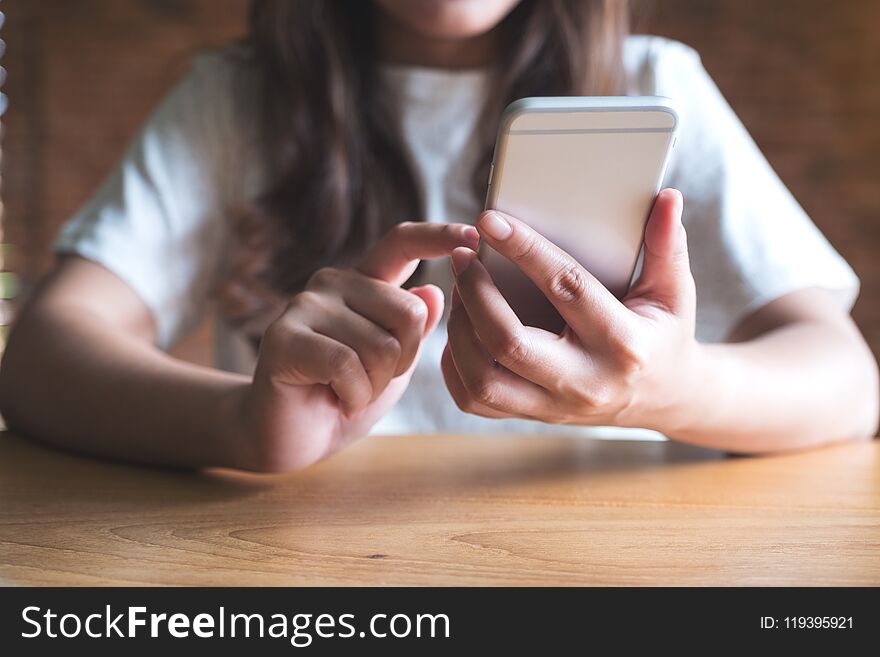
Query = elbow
x=7 y=392
x=866 y=390
x=9 y=401
x=20 y=381
x=871 y=403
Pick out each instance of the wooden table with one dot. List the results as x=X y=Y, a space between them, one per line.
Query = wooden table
x=449 y=510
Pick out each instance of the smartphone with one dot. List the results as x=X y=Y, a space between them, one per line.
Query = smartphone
x=583 y=172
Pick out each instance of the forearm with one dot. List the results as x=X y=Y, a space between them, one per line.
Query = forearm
x=70 y=380
x=795 y=387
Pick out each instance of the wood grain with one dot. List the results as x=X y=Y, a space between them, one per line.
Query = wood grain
x=449 y=510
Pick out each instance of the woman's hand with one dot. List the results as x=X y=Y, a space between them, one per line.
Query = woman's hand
x=616 y=363
x=343 y=351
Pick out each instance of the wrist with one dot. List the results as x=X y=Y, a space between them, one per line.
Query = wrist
x=681 y=396
x=690 y=392
x=234 y=428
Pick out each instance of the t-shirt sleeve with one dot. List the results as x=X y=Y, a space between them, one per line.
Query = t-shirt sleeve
x=158 y=221
x=750 y=241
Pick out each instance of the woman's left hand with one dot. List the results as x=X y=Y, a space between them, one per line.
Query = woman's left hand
x=624 y=363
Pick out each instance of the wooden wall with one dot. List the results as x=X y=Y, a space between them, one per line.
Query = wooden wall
x=802 y=74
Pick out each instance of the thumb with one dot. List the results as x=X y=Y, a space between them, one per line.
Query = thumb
x=433 y=298
x=666 y=277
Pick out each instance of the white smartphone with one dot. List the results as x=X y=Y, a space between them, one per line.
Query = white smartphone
x=583 y=172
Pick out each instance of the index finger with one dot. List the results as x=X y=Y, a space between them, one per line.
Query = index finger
x=584 y=303
x=395 y=257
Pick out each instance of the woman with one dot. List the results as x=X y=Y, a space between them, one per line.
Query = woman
x=269 y=170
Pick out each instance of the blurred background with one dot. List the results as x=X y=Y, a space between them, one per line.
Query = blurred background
x=804 y=76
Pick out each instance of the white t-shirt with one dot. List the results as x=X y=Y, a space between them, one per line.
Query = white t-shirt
x=160 y=222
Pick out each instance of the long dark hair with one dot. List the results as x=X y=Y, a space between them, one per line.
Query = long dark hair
x=339 y=177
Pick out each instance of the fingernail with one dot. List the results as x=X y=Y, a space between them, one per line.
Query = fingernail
x=472 y=236
x=495 y=226
x=461 y=260
x=678 y=199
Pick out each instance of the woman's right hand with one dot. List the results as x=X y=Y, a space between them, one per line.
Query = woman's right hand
x=343 y=351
